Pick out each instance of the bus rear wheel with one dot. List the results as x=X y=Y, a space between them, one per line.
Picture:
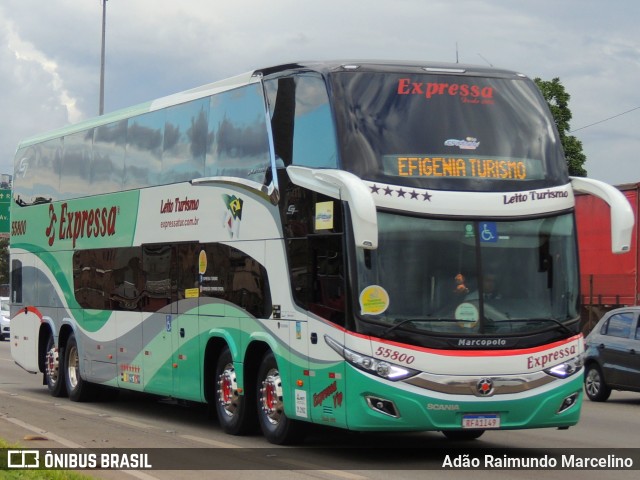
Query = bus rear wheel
x=274 y=423
x=231 y=407
x=53 y=371
x=79 y=389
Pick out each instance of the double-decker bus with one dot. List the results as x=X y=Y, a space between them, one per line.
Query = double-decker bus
x=374 y=246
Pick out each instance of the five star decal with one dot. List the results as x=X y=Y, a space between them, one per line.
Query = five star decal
x=400 y=193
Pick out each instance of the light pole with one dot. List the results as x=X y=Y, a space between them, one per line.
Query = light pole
x=104 y=23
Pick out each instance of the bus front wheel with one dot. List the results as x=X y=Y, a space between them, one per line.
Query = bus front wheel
x=275 y=425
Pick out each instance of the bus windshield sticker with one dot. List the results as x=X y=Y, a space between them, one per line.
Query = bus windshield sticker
x=469 y=143
x=489 y=232
x=374 y=300
x=202 y=262
x=192 y=293
x=468 y=231
x=462 y=166
x=467 y=314
x=324 y=215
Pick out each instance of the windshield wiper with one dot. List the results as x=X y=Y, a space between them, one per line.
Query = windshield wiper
x=411 y=320
x=397 y=325
x=553 y=320
x=492 y=322
x=535 y=320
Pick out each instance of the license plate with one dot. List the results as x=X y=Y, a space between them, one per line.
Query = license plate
x=483 y=420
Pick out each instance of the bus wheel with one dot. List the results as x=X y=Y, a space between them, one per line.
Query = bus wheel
x=594 y=385
x=230 y=406
x=463 y=435
x=53 y=373
x=276 y=426
x=79 y=389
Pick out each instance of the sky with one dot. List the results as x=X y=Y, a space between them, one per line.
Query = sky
x=50 y=54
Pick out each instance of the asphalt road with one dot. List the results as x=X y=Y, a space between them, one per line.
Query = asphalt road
x=32 y=418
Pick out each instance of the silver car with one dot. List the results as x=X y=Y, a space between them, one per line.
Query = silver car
x=5 y=319
x=612 y=360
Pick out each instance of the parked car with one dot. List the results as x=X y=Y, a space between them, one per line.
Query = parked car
x=5 y=318
x=612 y=358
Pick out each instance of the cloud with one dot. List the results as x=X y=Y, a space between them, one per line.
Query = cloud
x=33 y=99
x=26 y=54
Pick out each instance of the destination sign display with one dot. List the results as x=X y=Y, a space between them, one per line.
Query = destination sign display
x=459 y=166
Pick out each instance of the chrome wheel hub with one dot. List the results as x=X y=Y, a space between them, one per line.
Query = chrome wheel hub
x=53 y=364
x=227 y=391
x=271 y=397
x=72 y=368
x=592 y=383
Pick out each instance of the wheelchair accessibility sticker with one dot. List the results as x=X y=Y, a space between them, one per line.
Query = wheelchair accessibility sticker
x=488 y=232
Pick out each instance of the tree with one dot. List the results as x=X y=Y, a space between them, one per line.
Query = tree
x=558 y=99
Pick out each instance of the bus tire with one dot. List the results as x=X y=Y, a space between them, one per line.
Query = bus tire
x=594 y=384
x=79 y=389
x=275 y=425
x=231 y=407
x=54 y=369
x=463 y=435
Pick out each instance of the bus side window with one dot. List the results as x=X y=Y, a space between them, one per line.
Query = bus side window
x=301 y=121
x=238 y=140
x=314 y=138
x=185 y=269
x=129 y=280
x=186 y=132
x=143 y=152
x=328 y=290
x=107 y=161
x=234 y=276
x=314 y=240
x=16 y=281
x=156 y=265
x=249 y=286
x=76 y=162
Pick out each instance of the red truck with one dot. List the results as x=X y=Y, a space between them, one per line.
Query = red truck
x=607 y=280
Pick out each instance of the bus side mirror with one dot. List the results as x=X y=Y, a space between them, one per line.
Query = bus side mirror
x=622 y=219
x=348 y=187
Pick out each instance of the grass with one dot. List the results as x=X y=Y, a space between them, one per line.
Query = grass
x=20 y=474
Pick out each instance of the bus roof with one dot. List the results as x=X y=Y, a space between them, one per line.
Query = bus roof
x=389 y=66
x=323 y=67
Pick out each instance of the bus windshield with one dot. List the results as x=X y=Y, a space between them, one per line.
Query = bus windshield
x=447 y=132
x=458 y=277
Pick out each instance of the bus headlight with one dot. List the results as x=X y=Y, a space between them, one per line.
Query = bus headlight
x=567 y=368
x=389 y=371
